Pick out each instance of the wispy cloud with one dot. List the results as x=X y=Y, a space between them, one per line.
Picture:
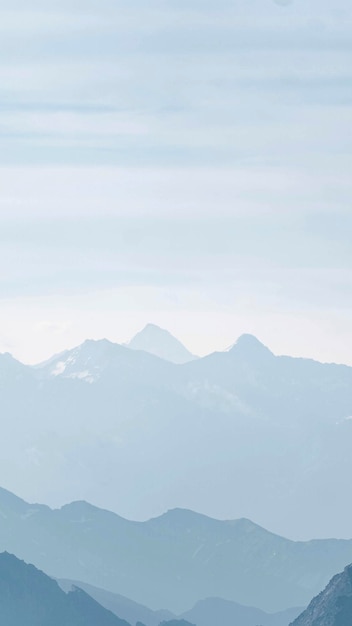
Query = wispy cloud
x=182 y=83
x=151 y=151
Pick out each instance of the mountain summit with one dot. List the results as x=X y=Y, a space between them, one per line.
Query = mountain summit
x=250 y=346
x=161 y=343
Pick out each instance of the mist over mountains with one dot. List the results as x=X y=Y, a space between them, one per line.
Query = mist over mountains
x=236 y=433
x=204 y=613
x=172 y=561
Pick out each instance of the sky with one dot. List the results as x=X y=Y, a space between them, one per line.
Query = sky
x=181 y=163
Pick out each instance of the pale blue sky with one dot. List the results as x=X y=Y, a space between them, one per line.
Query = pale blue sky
x=183 y=163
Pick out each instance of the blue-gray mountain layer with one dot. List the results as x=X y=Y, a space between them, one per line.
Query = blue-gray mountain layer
x=30 y=598
x=205 y=613
x=236 y=434
x=172 y=561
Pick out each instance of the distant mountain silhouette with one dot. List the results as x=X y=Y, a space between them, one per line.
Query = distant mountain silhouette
x=242 y=432
x=99 y=360
x=204 y=613
x=218 y=611
x=123 y=607
x=30 y=598
x=13 y=374
x=161 y=343
x=333 y=606
x=172 y=561
x=250 y=347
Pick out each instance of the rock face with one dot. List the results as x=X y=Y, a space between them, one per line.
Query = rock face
x=30 y=598
x=333 y=606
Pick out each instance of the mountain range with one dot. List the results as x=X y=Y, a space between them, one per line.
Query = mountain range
x=241 y=433
x=173 y=561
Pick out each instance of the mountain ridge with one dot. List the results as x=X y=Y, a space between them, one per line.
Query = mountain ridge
x=172 y=563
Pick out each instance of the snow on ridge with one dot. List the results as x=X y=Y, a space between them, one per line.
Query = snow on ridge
x=85 y=375
x=59 y=368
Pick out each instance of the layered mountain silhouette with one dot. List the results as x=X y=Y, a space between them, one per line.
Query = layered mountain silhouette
x=30 y=598
x=172 y=561
x=218 y=611
x=237 y=433
x=161 y=343
x=123 y=607
x=333 y=606
x=205 y=613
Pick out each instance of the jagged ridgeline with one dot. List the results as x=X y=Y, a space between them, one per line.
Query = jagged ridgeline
x=333 y=606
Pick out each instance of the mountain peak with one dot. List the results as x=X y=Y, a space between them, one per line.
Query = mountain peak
x=155 y=327
x=161 y=343
x=249 y=345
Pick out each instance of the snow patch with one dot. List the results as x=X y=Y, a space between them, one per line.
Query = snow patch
x=59 y=368
x=86 y=375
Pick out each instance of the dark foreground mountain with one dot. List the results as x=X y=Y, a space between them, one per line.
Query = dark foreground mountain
x=333 y=606
x=172 y=561
x=236 y=433
x=30 y=598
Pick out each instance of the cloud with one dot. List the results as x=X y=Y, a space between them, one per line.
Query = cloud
x=185 y=84
x=241 y=190
x=171 y=147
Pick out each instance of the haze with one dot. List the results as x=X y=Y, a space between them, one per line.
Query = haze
x=175 y=312
x=184 y=164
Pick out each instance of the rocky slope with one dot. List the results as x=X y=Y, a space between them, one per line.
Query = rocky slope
x=333 y=606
